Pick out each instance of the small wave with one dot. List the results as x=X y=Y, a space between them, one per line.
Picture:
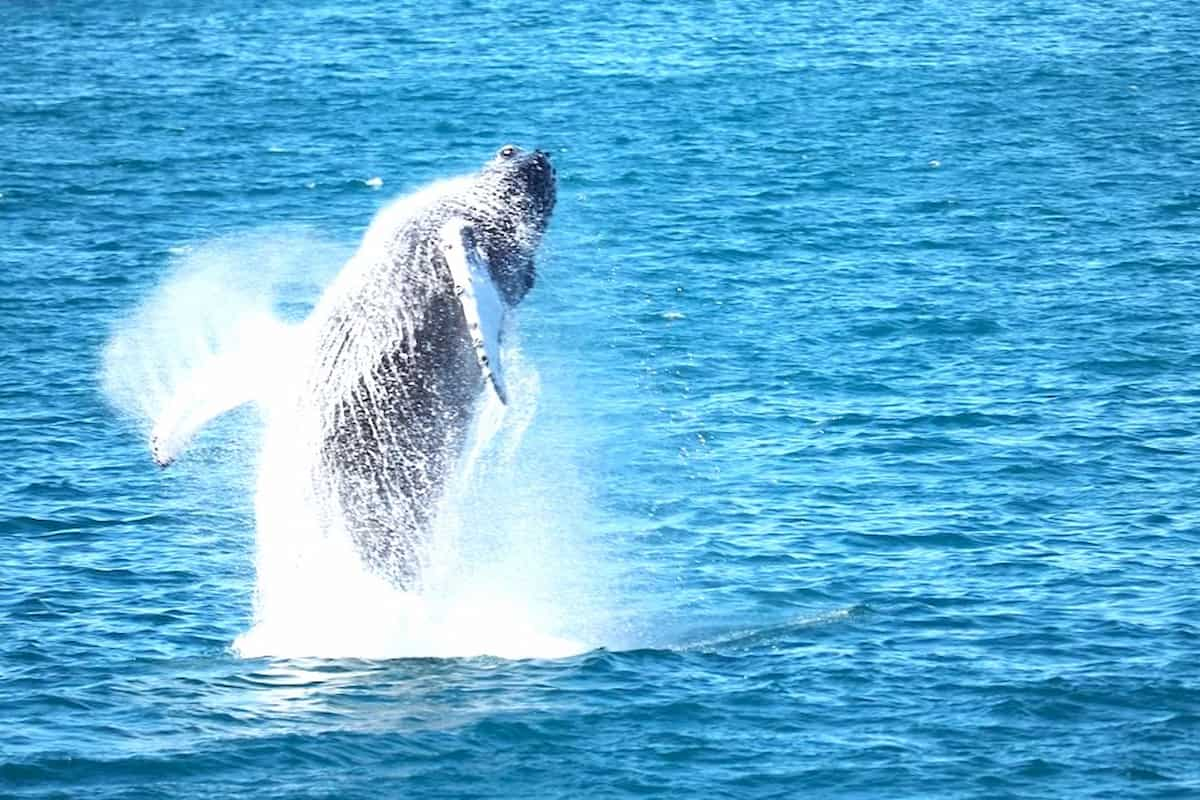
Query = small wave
x=726 y=637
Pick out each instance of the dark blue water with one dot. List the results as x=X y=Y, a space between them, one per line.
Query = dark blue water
x=864 y=357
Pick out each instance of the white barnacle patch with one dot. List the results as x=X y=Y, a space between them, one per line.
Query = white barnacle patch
x=482 y=306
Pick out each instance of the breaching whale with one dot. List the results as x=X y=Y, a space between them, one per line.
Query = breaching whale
x=382 y=380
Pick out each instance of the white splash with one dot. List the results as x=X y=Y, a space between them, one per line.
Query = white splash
x=506 y=573
x=497 y=577
x=217 y=306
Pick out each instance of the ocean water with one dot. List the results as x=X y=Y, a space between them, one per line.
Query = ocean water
x=854 y=436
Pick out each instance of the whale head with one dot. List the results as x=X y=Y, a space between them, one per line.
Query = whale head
x=511 y=200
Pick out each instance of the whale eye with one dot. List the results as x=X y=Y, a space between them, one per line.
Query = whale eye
x=508 y=151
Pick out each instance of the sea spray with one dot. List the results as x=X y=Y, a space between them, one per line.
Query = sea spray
x=234 y=298
x=507 y=570
x=498 y=577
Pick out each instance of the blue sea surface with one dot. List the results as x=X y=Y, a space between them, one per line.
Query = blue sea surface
x=866 y=366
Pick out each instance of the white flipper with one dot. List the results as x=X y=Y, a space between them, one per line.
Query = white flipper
x=481 y=302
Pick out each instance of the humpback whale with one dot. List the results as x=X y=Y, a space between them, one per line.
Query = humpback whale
x=382 y=380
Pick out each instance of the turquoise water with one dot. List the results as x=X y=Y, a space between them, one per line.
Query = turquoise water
x=854 y=444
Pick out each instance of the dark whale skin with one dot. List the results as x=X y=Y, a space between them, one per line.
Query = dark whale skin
x=396 y=379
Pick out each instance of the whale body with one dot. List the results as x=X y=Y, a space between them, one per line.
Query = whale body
x=381 y=382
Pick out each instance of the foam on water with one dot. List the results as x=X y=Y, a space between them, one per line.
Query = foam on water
x=502 y=574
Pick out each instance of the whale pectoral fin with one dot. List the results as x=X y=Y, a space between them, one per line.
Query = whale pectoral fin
x=482 y=305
